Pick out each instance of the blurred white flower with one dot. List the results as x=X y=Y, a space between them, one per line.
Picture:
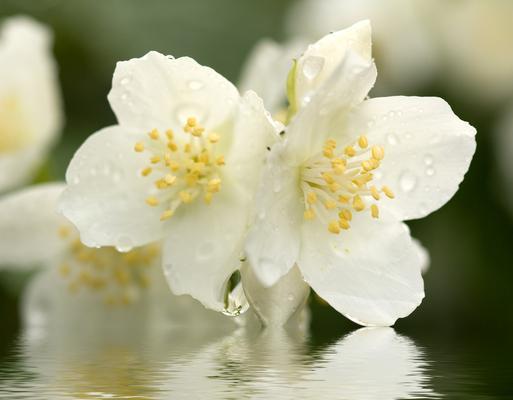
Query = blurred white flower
x=405 y=52
x=83 y=288
x=30 y=108
x=182 y=165
x=265 y=72
x=476 y=39
x=318 y=200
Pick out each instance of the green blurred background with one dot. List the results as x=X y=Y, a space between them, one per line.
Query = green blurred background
x=468 y=286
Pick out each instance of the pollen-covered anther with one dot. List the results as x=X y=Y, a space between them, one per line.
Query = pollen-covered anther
x=184 y=166
x=340 y=179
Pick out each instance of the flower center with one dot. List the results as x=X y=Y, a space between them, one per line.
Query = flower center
x=340 y=181
x=120 y=277
x=13 y=129
x=182 y=172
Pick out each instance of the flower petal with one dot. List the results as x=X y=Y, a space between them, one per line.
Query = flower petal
x=327 y=109
x=30 y=108
x=370 y=273
x=272 y=245
x=157 y=91
x=203 y=248
x=428 y=150
x=105 y=197
x=322 y=59
x=266 y=69
x=423 y=253
x=29 y=226
x=254 y=132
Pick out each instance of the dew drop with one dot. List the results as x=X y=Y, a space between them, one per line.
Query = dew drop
x=313 y=66
x=184 y=111
x=277 y=186
x=428 y=159
x=392 y=139
x=75 y=180
x=125 y=81
x=124 y=244
x=430 y=171
x=195 y=85
x=290 y=297
x=124 y=96
x=407 y=181
x=261 y=214
x=205 y=250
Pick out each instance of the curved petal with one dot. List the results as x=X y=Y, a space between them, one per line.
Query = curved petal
x=273 y=242
x=428 y=150
x=370 y=273
x=29 y=226
x=266 y=69
x=328 y=108
x=253 y=132
x=423 y=253
x=105 y=197
x=322 y=59
x=157 y=91
x=30 y=108
x=203 y=248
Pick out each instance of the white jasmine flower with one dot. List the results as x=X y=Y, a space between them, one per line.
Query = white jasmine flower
x=404 y=48
x=30 y=109
x=76 y=280
x=181 y=166
x=348 y=171
x=265 y=72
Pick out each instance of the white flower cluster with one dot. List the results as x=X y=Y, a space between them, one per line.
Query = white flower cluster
x=203 y=180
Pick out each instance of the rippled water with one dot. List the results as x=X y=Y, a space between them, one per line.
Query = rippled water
x=182 y=364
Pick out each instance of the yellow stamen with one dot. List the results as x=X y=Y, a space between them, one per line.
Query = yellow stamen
x=363 y=142
x=374 y=211
x=166 y=215
x=139 y=147
x=213 y=137
x=378 y=152
x=154 y=134
x=152 y=201
x=358 y=203
x=309 y=214
x=334 y=227
x=344 y=223
x=388 y=192
x=311 y=197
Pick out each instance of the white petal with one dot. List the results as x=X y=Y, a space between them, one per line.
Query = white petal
x=428 y=150
x=272 y=245
x=314 y=123
x=203 y=248
x=266 y=69
x=275 y=306
x=423 y=253
x=29 y=226
x=157 y=91
x=370 y=273
x=322 y=59
x=253 y=133
x=105 y=197
x=30 y=108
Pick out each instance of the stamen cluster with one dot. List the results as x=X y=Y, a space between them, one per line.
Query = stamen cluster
x=184 y=171
x=338 y=181
x=118 y=276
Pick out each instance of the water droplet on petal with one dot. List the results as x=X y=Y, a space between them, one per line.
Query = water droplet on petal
x=125 y=81
x=205 y=250
x=261 y=214
x=392 y=139
x=290 y=297
x=407 y=181
x=124 y=244
x=428 y=159
x=184 y=111
x=195 y=85
x=430 y=171
x=313 y=66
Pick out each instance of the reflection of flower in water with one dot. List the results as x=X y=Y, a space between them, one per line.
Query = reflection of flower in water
x=369 y=363
x=30 y=110
x=84 y=290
